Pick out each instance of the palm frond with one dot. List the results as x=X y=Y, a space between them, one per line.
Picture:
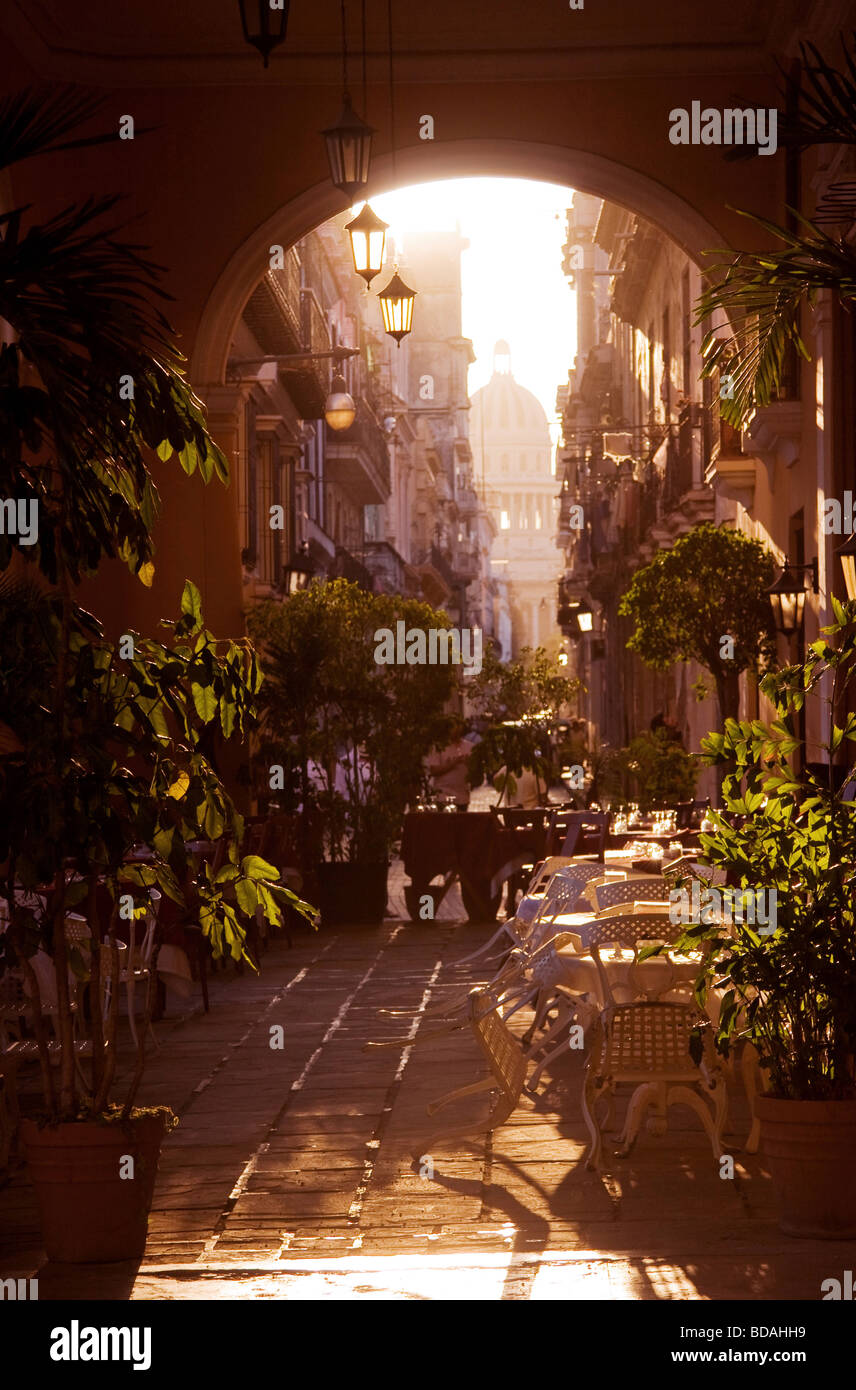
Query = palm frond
x=762 y=294
x=34 y=122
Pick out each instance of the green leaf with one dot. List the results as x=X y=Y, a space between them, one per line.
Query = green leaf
x=205 y=701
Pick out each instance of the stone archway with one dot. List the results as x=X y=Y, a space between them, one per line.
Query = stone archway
x=576 y=169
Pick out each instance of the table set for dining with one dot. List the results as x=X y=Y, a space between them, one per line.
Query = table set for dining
x=592 y=951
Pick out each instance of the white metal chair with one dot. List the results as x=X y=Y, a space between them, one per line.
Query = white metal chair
x=646 y=1043
x=646 y=889
x=508 y=1066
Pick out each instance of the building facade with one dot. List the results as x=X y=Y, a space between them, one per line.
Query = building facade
x=513 y=451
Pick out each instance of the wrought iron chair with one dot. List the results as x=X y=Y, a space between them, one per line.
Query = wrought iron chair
x=648 y=889
x=646 y=1044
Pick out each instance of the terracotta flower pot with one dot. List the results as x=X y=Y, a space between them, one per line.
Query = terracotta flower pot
x=90 y=1213
x=810 y=1148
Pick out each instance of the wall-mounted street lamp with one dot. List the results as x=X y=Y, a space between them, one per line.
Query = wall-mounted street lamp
x=368 y=239
x=847 y=555
x=584 y=615
x=787 y=596
x=339 y=407
x=264 y=23
x=297 y=574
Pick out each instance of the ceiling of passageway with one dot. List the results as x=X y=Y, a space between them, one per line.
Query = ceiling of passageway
x=131 y=40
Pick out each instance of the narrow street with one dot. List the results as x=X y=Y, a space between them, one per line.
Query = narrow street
x=292 y=1174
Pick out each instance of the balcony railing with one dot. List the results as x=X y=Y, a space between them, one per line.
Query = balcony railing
x=358 y=458
x=308 y=382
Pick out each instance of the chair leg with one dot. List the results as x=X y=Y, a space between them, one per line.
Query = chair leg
x=132 y=1022
x=502 y=930
x=642 y=1098
x=592 y=1092
x=692 y=1098
x=487 y=1085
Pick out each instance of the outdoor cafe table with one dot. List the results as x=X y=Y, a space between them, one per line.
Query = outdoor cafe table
x=472 y=846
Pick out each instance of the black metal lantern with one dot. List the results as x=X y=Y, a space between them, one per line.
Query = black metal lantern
x=847 y=555
x=396 y=305
x=368 y=239
x=349 y=148
x=787 y=597
x=297 y=574
x=265 y=23
x=584 y=616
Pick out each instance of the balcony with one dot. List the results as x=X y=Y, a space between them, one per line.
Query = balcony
x=438 y=578
x=467 y=564
x=273 y=309
x=357 y=459
x=392 y=574
x=309 y=382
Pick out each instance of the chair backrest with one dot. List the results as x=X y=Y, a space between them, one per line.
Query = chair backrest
x=545 y=871
x=500 y=1047
x=631 y=931
x=594 y=834
x=628 y=929
x=648 y=1038
x=560 y=896
x=648 y=889
x=683 y=814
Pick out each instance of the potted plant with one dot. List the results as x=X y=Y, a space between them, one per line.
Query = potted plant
x=345 y=733
x=659 y=769
x=102 y=746
x=787 y=966
x=517 y=704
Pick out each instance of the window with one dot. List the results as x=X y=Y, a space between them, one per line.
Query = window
x=504 y=521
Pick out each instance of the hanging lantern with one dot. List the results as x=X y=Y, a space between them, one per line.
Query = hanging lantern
x=368 y=239
x=339 y=409
x=349 y=147
x=265 y=23
x=396 y=303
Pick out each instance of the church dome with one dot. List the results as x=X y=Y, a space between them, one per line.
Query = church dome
x=508 y=413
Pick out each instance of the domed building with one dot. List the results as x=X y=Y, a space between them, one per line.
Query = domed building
x=512 y=451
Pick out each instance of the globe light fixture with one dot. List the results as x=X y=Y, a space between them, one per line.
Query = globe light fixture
x=349 y=148
x=847 y=555
x=396 y=305
x=339 y=408
x=368 y=240
x=264 y=23
x=787 y=597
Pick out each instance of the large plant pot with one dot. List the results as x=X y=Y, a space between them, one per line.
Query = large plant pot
x=90 y=1213
x=810 y=1148
x=352 y=894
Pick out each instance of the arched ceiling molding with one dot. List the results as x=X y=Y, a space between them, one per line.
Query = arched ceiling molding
x=576 y=169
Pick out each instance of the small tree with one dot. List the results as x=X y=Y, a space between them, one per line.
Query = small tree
x=705 y=600
x=365 y=725
x=518 y=703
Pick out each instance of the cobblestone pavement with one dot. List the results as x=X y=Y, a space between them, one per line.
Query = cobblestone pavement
x=292 y=1174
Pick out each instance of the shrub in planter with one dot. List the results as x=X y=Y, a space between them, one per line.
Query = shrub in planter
x=789 y=984
x=104 y=745
x=517 y=704
x=349 y=732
